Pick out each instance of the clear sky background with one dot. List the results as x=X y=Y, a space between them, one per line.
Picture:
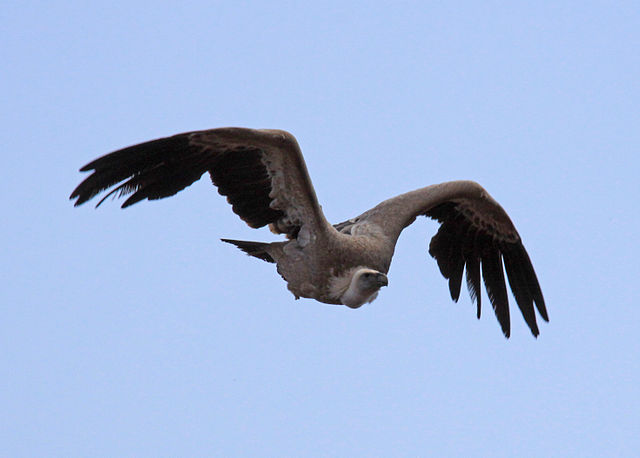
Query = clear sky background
x=138 y=333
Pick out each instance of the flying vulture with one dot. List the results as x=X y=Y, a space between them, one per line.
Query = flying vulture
x=265 y=179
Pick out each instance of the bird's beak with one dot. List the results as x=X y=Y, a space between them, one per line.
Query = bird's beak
x=382 y=280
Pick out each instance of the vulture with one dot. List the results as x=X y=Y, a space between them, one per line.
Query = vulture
x=264 y=177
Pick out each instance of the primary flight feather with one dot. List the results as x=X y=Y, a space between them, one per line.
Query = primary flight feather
x=265 y=179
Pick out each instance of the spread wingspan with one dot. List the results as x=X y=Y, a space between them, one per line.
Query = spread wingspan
x=263 y=175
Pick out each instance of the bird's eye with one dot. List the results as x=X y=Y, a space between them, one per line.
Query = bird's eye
x=367 y=275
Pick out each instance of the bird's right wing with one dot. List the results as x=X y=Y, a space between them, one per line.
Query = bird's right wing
x=262 y=173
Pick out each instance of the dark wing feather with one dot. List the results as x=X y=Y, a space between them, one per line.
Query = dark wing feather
x=466 y=240
x=135 y=164
x=473 y=282
x=261 y=172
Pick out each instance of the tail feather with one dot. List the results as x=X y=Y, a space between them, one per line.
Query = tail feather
x=255 y=249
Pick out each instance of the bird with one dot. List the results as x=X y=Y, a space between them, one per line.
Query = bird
x=264 y=177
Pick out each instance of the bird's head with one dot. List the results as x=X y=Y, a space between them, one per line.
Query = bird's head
x=369 y=280
x=364 y=287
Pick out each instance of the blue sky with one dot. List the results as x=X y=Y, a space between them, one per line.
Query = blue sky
x=137 y=333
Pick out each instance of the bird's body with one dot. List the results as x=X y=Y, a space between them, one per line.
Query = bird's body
x=322 y=266
x=263 y=175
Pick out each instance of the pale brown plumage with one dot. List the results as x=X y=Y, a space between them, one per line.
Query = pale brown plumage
x=263 y=175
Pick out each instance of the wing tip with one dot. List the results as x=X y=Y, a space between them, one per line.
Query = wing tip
x=79 y=199
x=542 y=309
x=505 y=325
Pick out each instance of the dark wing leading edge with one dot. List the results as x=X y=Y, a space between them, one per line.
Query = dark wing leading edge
x=261 y=172
x=475 y=235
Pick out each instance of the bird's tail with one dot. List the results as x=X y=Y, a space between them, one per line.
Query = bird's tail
x=255 y=249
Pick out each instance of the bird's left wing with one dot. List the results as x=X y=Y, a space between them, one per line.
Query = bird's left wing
x=475 y=233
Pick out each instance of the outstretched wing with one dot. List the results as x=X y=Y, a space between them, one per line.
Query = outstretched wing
x=262 y=173
x=475 y=233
